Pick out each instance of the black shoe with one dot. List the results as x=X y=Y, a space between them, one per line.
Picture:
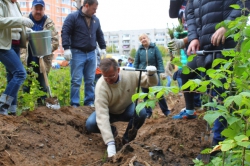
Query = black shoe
x=12 y=113
x=149 y=114
x=4 y=109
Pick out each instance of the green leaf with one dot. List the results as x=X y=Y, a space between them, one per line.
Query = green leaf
x=226 y=85
x=231 y=120
x=211 y=116
x=210 y=71
x=202 y=89
x=217 y=83
x=139 y=107
x=238 y=99
x=159 y=94
x=247 y=94
x=185 y=70
x=235 y=6
x=135 y=96
x=244 y=144
x=151 y=103
x=247 y=157
x=227 y=145
x=202 y=69
x=228 y=101
x=241 y=138
x=229 y=133
x=190 y=58
x=187 y=85
x=218 y=61
x=248 y=133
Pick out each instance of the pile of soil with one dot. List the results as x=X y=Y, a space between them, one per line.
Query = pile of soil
x=49 y=137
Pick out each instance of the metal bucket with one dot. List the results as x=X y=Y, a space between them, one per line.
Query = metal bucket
x=40 y=43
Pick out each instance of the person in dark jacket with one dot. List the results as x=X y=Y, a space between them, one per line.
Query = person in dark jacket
x=149 y=55
x=202 y=17
x=80 y=32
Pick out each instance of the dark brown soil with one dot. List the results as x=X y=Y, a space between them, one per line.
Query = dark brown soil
x=47 y=137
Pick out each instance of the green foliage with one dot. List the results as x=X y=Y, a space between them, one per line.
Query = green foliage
x=111 y=49
x=59 y=81
x=233 y=104
x=162 y=50
x=132 y=52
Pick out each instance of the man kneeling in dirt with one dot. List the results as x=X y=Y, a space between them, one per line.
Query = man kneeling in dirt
x=113 y=102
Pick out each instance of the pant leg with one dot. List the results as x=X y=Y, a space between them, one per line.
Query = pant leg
x=169 y=81
x=189 y=96
x=15 y=67
x=163 y=104
x=89 y=76
x=76 y=71
x=148 y=109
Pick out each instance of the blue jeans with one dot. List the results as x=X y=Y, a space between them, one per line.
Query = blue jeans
x=169 y=81
x=16 y=74
x=162 y=102
x=126 y=116
x=82 y=65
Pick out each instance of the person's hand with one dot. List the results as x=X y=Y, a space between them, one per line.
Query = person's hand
x=176 y=44
x=219 y=37
x=67 y=54
x=27 y=22
x=29 y=30
x=151 y=70
x=103 y=53
x=193 y=46
x=111 y=149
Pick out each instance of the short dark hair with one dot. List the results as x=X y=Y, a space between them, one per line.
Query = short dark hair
x=90 y=2
x=106 y=63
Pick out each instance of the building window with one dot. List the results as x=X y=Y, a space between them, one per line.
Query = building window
x=47 y=7
x=22 y=4
x=25 y=13
x=66 y=2
x=58 y=19
x=126 y=35
x=159 y=39
x=65 y=10
x=63 y=19
x=73 y=4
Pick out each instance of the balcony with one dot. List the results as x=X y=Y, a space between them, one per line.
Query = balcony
x=125 y=43
x=125 y=47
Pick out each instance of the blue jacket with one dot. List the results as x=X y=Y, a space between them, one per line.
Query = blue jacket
x=154 y=58
x=76 y=34
x=204 y=15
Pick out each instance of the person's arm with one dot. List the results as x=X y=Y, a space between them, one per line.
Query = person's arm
x=54 y=34
x=137 y=60
x=150 y=78
x=100 y=37
x=191 y=23
x=159 y=65
x=67 y=29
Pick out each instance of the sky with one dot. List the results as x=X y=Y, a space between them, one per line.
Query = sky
x=116 y=15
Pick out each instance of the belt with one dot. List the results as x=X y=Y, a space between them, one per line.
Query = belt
x=83 y=50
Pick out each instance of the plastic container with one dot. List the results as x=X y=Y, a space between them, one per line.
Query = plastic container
x=40 y=43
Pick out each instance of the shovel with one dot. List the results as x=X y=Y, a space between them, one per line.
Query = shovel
x=132 y=132
x=51 y=102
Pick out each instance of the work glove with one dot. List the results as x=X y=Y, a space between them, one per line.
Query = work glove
x=27 y=22
x=151 y=70
x=103 y=53
x=28 y=30
x=176 y=44
x=111 y=149
x=67 y=54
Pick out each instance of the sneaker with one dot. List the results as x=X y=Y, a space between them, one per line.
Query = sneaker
x=149 y=114
x=75 y=106
x=184 y=115
x=12 y=113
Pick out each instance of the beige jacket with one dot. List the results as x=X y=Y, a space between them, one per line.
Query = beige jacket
x=48 y=25
x=116 y=98
x=6 y=23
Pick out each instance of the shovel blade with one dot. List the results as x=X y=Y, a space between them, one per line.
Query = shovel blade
x=132 y=134
x=52 y=103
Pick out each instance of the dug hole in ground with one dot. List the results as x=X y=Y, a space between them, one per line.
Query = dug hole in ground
x=48 y=137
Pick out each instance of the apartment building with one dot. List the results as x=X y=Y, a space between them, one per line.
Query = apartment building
x=125 y=41
x=57 y=10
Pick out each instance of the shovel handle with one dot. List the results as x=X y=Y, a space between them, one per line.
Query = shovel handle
x=43 y=70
